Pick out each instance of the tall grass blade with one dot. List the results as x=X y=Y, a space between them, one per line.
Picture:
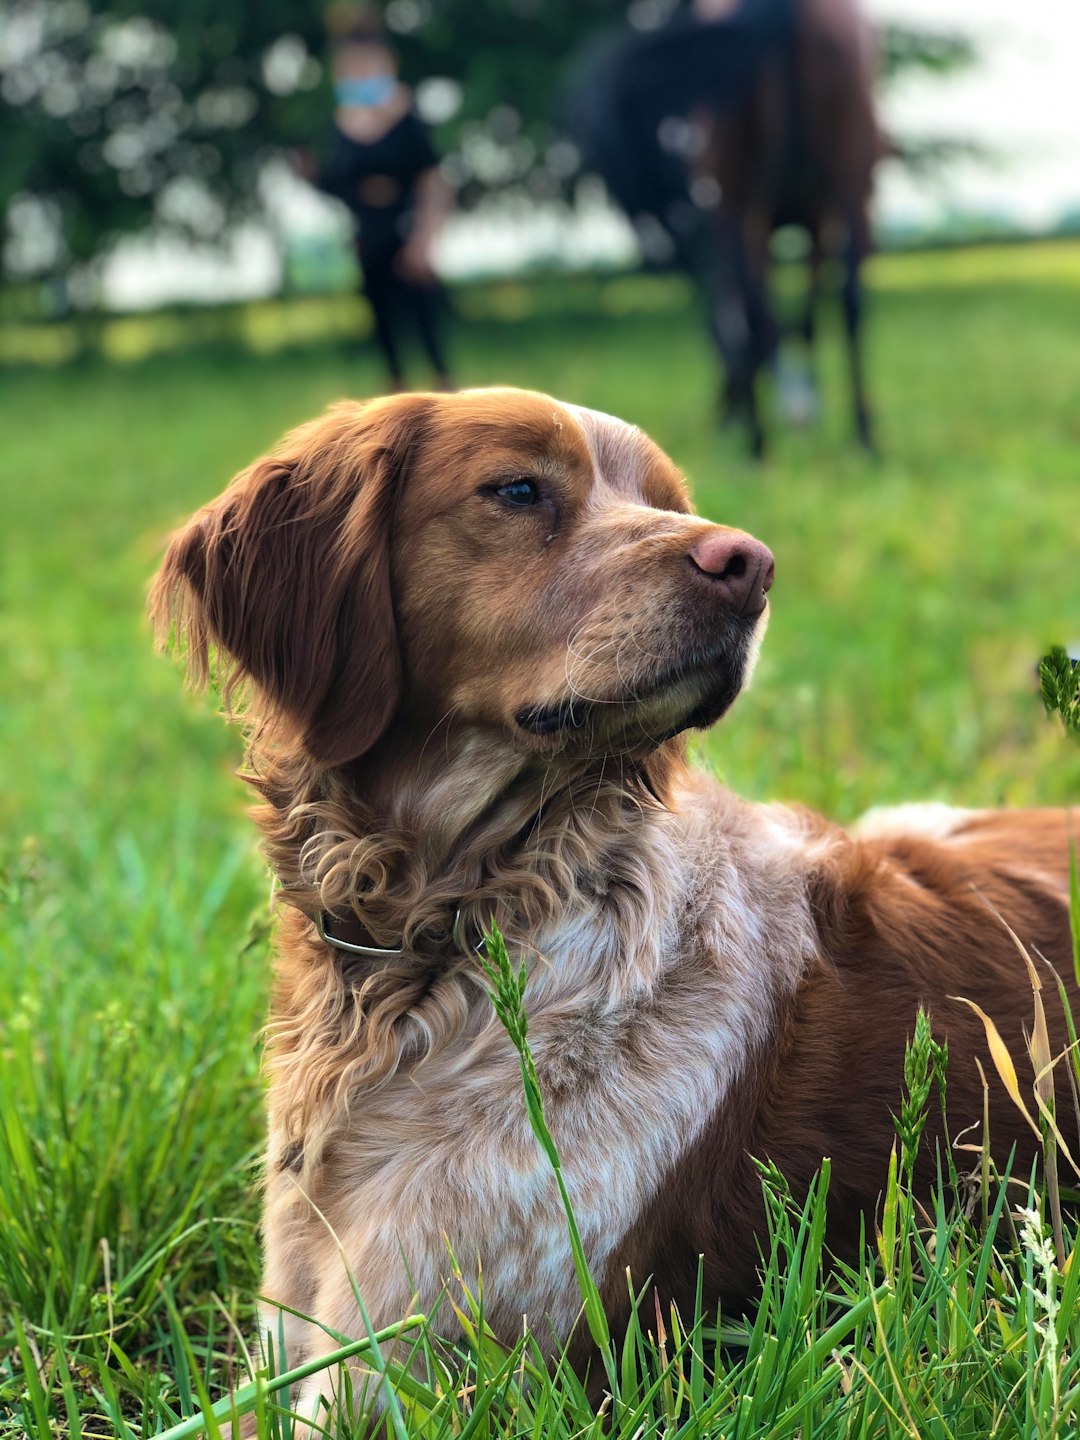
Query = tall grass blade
x=507 y=991
x=1003 y=1062
x=246 y=1397
x=1074 y=906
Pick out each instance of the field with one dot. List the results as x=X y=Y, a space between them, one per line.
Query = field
x=913 y=599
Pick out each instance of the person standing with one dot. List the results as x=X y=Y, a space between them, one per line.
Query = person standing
x=383 y=166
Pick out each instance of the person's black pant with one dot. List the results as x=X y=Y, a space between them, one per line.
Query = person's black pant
x=398 y=304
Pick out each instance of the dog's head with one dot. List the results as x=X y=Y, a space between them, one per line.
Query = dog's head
x=494 y=559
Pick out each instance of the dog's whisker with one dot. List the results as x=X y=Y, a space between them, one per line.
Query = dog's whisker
x=442 y=721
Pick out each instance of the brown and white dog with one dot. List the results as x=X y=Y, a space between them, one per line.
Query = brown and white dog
x=472 y=630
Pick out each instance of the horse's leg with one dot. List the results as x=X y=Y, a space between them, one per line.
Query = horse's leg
x=731 y=276
x=808 y=328
x=718 y=275
x=856 y=250
x=763 y=335
x=796 y=379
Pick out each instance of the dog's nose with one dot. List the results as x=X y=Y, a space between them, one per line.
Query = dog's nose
x=738 y=567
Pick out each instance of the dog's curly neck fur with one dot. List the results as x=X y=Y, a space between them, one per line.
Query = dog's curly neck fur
x=406 y=849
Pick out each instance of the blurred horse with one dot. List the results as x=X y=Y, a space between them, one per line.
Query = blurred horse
x=733 y=119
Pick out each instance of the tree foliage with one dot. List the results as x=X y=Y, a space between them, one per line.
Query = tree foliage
x=124 y=114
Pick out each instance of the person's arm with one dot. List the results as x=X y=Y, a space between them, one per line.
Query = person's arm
x=330 y=173
x=434 y=202
x=303 y=164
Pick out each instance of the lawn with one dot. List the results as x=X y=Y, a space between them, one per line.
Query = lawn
x=913 y=598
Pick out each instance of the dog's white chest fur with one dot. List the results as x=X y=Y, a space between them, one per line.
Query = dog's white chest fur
x=636 y=1043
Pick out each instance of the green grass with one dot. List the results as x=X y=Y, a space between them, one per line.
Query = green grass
x=913 y=600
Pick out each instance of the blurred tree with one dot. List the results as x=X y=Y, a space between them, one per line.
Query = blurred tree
x=940 y=51
x=122 y=116
x=902 y=49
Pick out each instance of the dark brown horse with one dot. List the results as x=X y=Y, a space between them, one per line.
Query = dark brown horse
x=736 y=118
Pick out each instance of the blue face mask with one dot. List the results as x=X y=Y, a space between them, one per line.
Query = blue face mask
x=375 y=90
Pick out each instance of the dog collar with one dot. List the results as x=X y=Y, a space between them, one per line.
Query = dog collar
x=351 y=936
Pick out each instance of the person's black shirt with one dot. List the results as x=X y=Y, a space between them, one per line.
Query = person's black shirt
x=377 y=180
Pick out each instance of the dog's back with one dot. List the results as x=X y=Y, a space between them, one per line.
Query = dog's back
x=914 y=913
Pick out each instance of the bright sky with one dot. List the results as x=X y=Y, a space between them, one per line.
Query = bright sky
x=1021 y=99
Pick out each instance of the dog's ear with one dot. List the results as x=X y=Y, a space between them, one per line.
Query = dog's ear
x=287 y=574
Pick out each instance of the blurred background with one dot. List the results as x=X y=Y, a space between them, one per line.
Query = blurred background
x=145 y=147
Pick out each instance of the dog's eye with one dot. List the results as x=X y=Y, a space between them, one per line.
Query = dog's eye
x=519 y=492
